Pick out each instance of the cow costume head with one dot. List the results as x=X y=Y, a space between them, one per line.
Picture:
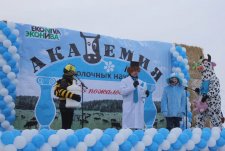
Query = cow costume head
x=206 y=67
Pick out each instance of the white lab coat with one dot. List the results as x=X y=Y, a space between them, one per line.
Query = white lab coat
x=133 y=113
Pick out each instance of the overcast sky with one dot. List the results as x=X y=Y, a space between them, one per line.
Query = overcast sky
x=192 y=22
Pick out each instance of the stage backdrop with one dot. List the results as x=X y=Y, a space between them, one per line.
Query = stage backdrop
x=101 y=63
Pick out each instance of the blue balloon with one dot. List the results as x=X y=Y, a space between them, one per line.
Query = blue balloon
x=11 y=118
x=164 y=132
x=215 y=148
x=2 y=25
x=189 y=114
x=179 y=49
x=12 y=37
x=13 y=95
x=11 y=87
x=5 y=81
x=16 y=132
x=206 y=134
x=6 y=31
x=2 y=75
x=202 y=144
x=15 y=70
x=63 y=146
x=154 y=146
x=3 y=49
x=105 y=140
x=220 y=142
x=6 y=111
x=126 y=146
x=80 y=135
x=139 y=133
x=86 y=130
x=7 y=138
x=45 y=132
x=29 y=147
x=133 y=139
x=12 y=63
x=158 y=138
x=2 y=104
x=111 y=131
x=177 y=145
x=16 y=44
x=7 y=56
x=183 y=138
x=222 y=133
x=72 y=141
x=38 y=140
x=98 y=146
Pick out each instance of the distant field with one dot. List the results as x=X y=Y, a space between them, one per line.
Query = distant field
x=92 y=119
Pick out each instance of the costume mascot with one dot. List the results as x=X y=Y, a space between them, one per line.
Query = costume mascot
x=210 y=92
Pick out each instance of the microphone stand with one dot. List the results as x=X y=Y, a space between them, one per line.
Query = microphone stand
x=82 y=98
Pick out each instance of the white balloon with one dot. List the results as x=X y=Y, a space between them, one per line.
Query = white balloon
x=211 y=142
x=12 y=49
x=181 y=75
x=10 y=147
x=179 y=58
x=16 y=57
x=20 y=142
x=7 y=43
x=11 y=75
x=15 y=81
x=6 y=68
x=16 y=32
x=165 y=145
x=173 y=69
x=197 y=131
x=151 y=131
x=69 y=132
x=176 y=131
x=140 y=146
x=97 y=133
x=11 y=127
x=11 y=25
x=13 y=112
x=190 y=145
x=196 y=138
x=4 y=92
x=81 y=146
x=90 y=140
x=54 y=140
x=172 y=138
x=2 y=61
x=113 y=147
x=2 y=117
x=147 y=140
x=175 y=54
x=172 y=50
x=222 y=148
x=187 y=67
x=2 y=38
x=33 y=132
x=62 y=134
x=119 y=138
x=46 y=147
x=185 y=61
x=8 y=98
x=5 y=124
x=178 y=70
x=184 y=49
x=27 y=135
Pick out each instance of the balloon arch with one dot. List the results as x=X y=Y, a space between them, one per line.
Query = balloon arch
x=85 y=139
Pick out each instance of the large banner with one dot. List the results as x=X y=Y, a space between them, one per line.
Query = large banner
x=101 y=62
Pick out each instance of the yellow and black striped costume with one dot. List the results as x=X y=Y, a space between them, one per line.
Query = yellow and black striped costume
x=60 y=90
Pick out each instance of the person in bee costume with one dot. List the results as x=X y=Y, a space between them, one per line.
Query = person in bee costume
x=62 y=92
x=133 y=91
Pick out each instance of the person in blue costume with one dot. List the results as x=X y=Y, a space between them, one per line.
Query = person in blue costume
x=133 y=91
x=173 y=101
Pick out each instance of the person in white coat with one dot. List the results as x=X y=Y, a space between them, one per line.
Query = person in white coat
x=133 y=91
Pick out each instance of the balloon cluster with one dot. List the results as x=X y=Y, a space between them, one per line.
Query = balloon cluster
x=113 y=140
x=180 y=67
x=9 y=59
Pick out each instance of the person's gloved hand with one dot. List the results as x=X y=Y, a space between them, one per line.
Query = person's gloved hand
x=147 y=93
x=136 y=83
x=204 y=98
x=197 y=90
x=76 y=97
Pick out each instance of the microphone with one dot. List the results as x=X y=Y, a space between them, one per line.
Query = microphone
x=82 y=83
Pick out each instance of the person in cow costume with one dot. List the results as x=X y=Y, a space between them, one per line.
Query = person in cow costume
x=210 y=92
